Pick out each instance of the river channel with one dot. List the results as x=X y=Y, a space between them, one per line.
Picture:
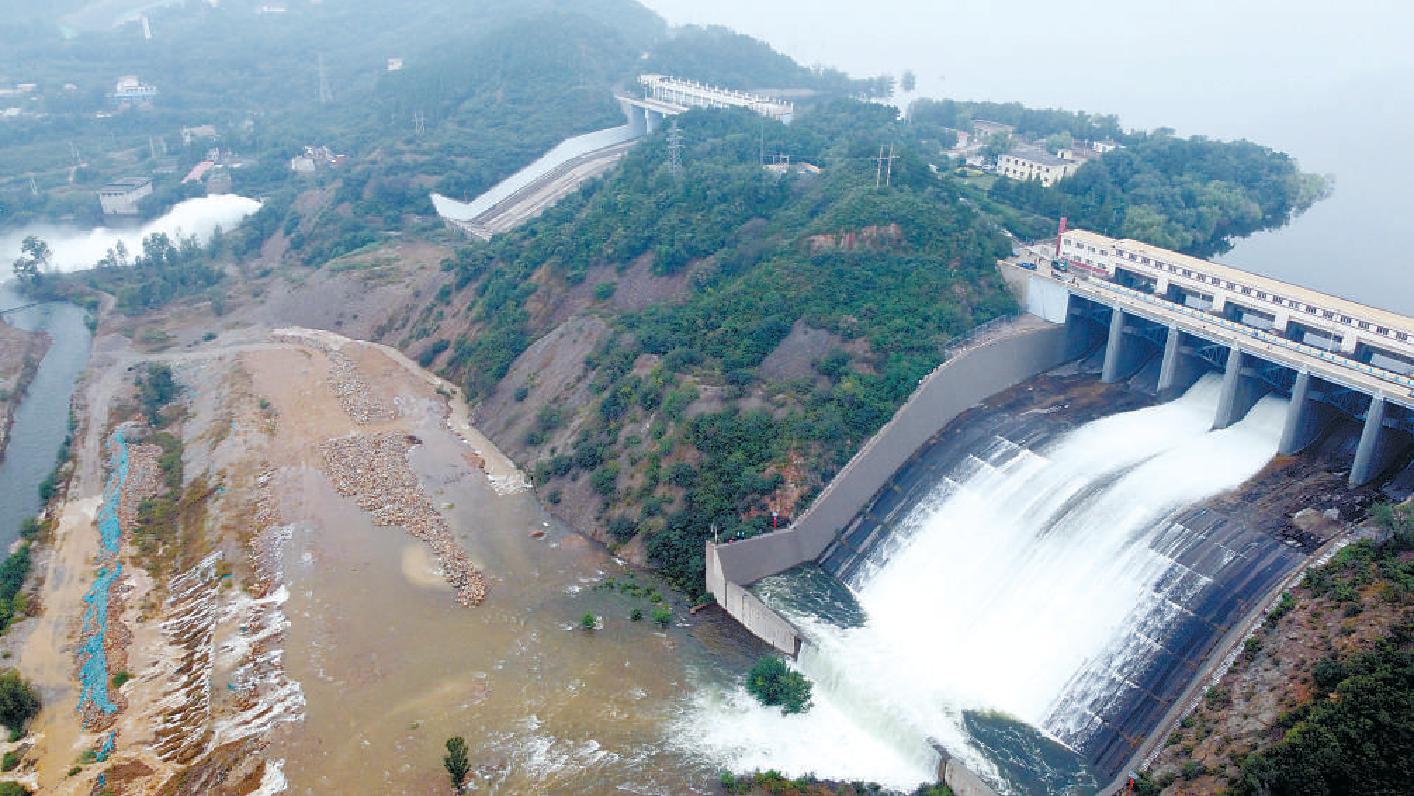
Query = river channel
x=42 y=421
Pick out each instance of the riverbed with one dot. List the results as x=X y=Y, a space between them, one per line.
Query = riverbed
x=42 y=421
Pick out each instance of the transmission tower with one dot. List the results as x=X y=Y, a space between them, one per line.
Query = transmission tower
x=675 y=150
x=419 y=123
x=325 y=97
x=884 y=167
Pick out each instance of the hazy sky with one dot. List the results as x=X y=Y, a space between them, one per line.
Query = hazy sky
x=1331 y=83
x=1155 y=62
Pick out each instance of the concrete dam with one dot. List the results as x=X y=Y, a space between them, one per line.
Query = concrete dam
x=995 y=586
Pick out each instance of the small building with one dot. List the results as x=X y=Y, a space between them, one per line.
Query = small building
x=395 y=64
x=201 y=132
x=1078 y=155
x=982 y=130
x=785 y=166
x=121 y=197
x=131 y=91
x=315 y=158
x=1026 y=162
x=198 y=172
x=1104 y=146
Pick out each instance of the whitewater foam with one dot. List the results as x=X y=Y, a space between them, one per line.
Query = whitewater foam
x=1030 y=583
x=77 y=249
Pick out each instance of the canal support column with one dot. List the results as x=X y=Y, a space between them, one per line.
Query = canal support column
x=1239 y=393
x=1178 y=371
x=1375 y=451
x=1306 y=419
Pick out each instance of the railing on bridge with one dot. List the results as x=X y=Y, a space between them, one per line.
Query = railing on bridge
x=1098 y=287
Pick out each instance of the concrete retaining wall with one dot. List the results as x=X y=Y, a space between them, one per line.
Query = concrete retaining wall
x=748 y=609
x=1017 y=353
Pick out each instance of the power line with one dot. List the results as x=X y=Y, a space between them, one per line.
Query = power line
x=675 y=150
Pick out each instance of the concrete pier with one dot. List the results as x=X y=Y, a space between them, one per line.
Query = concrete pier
x=1306 y=418
x=1240 y=392
x=1375 y=451
x=1125 y=352
x=1179 y=370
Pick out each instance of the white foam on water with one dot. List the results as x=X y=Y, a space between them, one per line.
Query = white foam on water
x=78 y=249
x=1022 y=586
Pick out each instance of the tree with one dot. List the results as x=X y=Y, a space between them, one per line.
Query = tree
x=997 y=145
x=908 y=81
x=33 y=262
x=38 y=251
x=589 y=621
x=774 y=683
x=18 y=700
x=456 y=761
x=1058 y=141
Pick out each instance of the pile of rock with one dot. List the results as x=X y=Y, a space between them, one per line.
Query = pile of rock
x=352 y=391
x=374 y=469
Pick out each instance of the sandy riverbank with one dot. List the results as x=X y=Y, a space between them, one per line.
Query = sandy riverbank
x=205 y=652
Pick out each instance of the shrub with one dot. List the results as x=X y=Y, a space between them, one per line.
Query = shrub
x=774 y=683
x=663 y=615
x=10 y=761
x=588 y=621
x=19 y=702
x=636 y=615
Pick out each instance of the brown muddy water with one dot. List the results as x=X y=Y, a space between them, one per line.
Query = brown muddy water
x=391 y=666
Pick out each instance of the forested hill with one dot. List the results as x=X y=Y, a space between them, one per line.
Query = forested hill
x=726 y=338
x=1194 y=195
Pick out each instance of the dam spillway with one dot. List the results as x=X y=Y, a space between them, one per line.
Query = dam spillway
x=1062 y=579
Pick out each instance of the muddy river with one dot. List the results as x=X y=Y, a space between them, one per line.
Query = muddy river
x=391 y=666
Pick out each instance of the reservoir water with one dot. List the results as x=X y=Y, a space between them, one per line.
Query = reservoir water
x=1032 y=584
x=42 y=421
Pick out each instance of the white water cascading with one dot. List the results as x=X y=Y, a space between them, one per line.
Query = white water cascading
x=1029 y=583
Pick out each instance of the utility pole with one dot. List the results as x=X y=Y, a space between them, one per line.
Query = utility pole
x=883 y=175
x=325 y=97
x=675 y=150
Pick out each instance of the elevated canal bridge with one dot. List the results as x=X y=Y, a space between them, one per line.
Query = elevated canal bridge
x=665 y=96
